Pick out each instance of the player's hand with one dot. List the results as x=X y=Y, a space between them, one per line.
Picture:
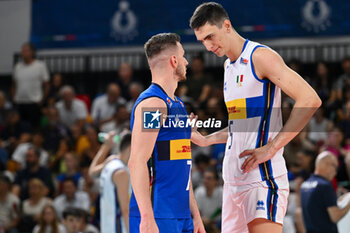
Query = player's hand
x=198 y=226
x=195 y=118
x=109 y=140
x=257 y=156
x=148 y=226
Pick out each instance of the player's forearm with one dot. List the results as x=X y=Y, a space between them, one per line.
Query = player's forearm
x=218 y=137
x=140 y=183
x=214 y=138
x=298 y=119
x=96 y=164
x=193 y=205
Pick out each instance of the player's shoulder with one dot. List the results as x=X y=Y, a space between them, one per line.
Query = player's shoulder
x=152 y=103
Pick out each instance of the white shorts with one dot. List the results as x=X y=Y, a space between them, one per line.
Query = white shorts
x=242 y=204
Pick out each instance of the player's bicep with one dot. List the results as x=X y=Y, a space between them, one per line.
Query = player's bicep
x=268 y=64
x=143 y=138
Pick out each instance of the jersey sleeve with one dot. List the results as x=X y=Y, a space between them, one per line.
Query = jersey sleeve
x=329 y=196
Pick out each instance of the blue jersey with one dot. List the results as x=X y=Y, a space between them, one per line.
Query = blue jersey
x=170 y=164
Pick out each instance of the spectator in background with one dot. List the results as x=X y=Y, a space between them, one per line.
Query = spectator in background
x=32 y=170
x=88 y=184
x=94 y=145
x=57 y=159
x=209 y=198
x=15 y=131
x=322 y=82
x=135 y=90
x=30 y=85
x=343 y=79
x=120 y=120
x=72 y=220
x=71 y=198
x=48 y=222
x=199 y=82
x=33 y=206
x=71 y=169
x=85 y=226
x=318 y=198
x=5 y=106
x=104 y=107
x=125 y=78
x=201 y=163
x=19 y=155
x=335 y=145
x=9 y=206
x=79 y=140
x=36 y=202
x=318 y=127
x=71 y=110
x=53 y=131
x=54 y=93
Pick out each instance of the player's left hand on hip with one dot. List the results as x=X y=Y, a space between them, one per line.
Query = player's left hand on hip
x=256 y=156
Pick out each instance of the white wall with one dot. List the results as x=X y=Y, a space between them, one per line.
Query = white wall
x=14 y=30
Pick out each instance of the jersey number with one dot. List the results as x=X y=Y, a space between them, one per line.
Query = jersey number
x=189 y=162
x=230 y=132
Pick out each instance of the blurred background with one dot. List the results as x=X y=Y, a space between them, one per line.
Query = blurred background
x=89 y=68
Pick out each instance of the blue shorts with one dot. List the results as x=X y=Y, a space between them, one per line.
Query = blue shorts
x=183 y=225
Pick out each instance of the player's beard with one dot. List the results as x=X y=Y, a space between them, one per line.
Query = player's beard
x=181 y=73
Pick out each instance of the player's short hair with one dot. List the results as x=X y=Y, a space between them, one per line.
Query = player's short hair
x=125 y=141
x=210 y=12
x=160 y=42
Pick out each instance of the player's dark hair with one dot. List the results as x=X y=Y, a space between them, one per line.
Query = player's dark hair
x=158 y=43
x=70 y=211
x=210 y=12
x=125 y=141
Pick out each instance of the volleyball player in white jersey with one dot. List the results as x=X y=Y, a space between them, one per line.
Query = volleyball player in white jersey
x=114 y=185
x=254 y=171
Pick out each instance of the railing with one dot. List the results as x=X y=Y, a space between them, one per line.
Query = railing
x=74 y=62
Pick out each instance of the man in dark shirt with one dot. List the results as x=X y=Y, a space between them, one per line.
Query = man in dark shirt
x=318 y=198
x=32 y=170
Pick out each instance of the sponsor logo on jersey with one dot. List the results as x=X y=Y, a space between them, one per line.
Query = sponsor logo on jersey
x=244 y=61
x=260 y=205
x=236 y=109
x=180 y=149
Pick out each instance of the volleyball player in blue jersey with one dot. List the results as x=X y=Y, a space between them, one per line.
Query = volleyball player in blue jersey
x=160 y=161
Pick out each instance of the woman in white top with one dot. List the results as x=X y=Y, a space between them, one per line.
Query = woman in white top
x=36 y=202
x=49 y=222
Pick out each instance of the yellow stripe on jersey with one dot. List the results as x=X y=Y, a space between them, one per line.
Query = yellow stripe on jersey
x=180 y=149
x=237 y=109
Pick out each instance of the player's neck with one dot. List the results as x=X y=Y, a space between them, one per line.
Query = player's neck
x=169 y=85
x=236 y=47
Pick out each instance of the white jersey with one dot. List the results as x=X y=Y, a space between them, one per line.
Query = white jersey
x=255 y=116
x=111 y=218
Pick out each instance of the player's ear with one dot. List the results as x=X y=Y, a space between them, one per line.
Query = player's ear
x=173 y=61
x=227 y=25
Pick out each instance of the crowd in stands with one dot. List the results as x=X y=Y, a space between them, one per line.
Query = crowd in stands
x=49 y=136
